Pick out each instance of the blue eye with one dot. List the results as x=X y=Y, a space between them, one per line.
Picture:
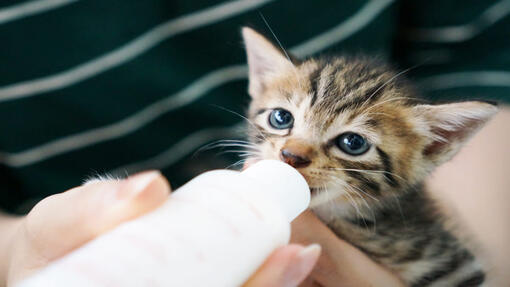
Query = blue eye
x=281 y=119
x=352 y=143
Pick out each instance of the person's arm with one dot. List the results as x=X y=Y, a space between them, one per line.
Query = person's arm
x=8 y=226
x=474 y=188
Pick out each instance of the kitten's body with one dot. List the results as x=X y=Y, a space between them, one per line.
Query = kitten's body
x=409 y=238
x=373 y=199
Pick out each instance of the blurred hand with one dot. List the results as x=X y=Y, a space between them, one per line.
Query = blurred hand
x=63 y=222
x=341 y=264
x=286 y=267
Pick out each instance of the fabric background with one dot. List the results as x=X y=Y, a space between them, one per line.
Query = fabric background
x=52 y=139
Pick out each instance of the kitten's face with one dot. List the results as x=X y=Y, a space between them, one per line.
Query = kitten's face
x=350 y=126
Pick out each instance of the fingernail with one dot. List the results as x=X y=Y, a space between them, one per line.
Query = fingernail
x=137 y=183
x=303 y=264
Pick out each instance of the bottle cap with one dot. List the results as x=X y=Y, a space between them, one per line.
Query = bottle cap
x=285 y=185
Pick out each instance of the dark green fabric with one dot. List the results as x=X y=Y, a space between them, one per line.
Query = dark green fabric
x=54 y=41
x=489 y=50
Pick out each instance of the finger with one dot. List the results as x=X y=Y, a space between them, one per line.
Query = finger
x=74 y=217
x=135 y=196
x=339 y=261
x=250 y=161
x=310 y=282
x=286 y=267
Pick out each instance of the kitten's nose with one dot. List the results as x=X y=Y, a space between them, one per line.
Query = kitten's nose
x=294 y=160
x=296 y=153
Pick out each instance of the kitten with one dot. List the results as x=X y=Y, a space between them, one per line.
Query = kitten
x=363 y=141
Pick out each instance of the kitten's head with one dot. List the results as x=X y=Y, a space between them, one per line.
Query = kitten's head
x=351 y=126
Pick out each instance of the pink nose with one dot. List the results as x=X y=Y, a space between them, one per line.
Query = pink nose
x=295 y=160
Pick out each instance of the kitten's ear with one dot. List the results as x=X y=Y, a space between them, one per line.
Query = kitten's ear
x=264 y=60
x=449 y=126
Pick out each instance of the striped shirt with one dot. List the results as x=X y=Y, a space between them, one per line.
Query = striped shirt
x=121 y=86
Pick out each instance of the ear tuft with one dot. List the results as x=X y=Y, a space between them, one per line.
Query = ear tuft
x=451 y=125
x=264 y=60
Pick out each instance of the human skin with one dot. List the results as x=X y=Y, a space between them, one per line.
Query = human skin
x=63 y=222
x=473 y=190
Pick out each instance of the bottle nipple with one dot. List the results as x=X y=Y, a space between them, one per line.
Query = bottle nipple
x=284 y=184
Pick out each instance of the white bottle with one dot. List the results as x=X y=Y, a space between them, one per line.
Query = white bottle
x=214 y=231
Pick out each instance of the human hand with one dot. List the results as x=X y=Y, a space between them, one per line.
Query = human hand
x=286 y=267
x=63 y=222
x=340 y=264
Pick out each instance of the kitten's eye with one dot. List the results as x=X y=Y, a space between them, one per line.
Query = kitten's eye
x=352 y=143
x=281 y=119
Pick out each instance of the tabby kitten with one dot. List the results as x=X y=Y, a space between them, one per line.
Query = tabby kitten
x=365 y=144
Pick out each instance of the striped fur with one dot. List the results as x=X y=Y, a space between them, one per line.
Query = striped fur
x=375 y=200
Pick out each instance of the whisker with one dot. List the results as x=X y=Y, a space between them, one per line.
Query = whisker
x=368 y=207
x=400 y=209
x=243 y=117
x=233 y=151
x=274 y=35
x=377 y=113
x=384 y=85
x=225 y=143
x=368 y=171
x=352 y=186
x=351 y=190
x=348 y=189
x=283 y=49
x=237 y=163
x=354 y=204
x=391 y=79
x=357 y=188
x=386 y=101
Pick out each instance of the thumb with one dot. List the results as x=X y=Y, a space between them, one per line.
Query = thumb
x=286 y=267
x=65 y=221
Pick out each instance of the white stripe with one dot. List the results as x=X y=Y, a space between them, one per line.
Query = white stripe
x=350 y=26
x=129 y=51
x=179 y=150
x=467 y=79
x=186 y=96
x=464 y=32
x=30 y=8
x=129 y=124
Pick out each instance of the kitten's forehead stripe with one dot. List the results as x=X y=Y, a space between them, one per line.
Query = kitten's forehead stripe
x=343 y=85
x=314 y=79
x=327 y=81
x=372 y=123
x=361 y=97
